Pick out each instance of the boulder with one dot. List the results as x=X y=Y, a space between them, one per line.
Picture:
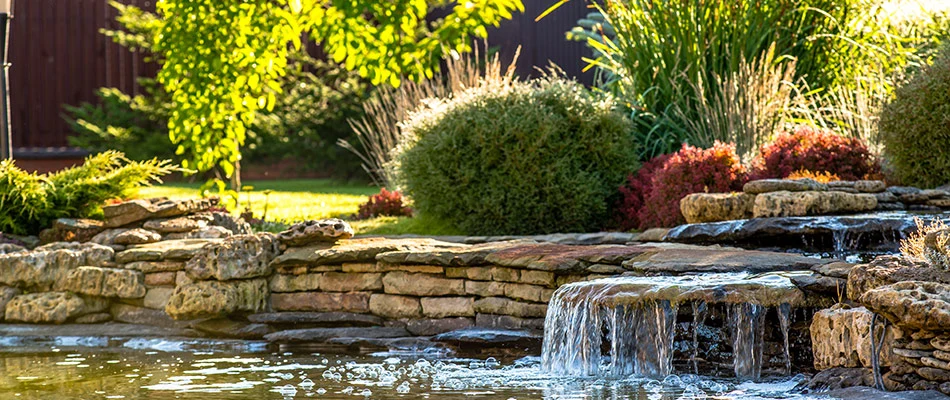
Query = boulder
x=10 y=248
x=712 y=207
x=429 y=327
x=157 y=298
x=786 y=203
x=356 y=251
x=679 y=261
x=132 y=211
x=104 y=282
x=130 y=314
x=44 y=308
x=236 y=225
x=779 y=185
x=325 y=334
x=912 y=305
x=136 y=236
x=490 y=338
x=217 y=299
x=316 y=318
x=327 y=230
x=868 y=186
x=76 y=229
x=6 y=294
x=46 y=266
x=237 y=257
x=180 y=224
x=226 y=328
x=653 y=235
x=107 y=237
x=280 y=283
x=206 y=232
x=168 y=250
x=885 y=270
x=840 y=337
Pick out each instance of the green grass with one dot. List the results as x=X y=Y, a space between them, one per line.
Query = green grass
x=297 y=200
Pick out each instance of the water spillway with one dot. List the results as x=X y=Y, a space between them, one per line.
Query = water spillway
x=625 y=326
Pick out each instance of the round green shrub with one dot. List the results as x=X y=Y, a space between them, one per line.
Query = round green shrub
x=915 y=126
x=519 y=158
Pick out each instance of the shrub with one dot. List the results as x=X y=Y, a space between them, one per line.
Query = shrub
x=815 y=150
x=634 y=192
x=690 y=170
x=915 y=126
x=384 y=204
x=30 y=202
x=518 y=158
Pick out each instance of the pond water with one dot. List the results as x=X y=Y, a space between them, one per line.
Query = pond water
x=102 y=368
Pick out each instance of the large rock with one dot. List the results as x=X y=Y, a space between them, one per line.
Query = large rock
x=840 y=337
x=429 y=327
x=136 y=236
x=180 y=224
x=77 y=230
x=6 y=294
x=490 y=338
x=139 y=210
x=678 y=261
x=326 y=230
x=168 y=250
x=780 y=185
x=237 y=257
x=913 y=305
x=226 y=328
x=712 y=207
x=40 y=269
x=207 y=232
x=130 y=314
x=44 y=308
x=105 y=282
x=217 y=299
x=441 y=307
x=235 y=224
x=280 y=283
x=885 y=270
x=325 y=334
x=10 y=248
x=316 y=318
x=355 y=250
x=785 y=203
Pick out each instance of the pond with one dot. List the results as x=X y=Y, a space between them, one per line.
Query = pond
x=102 y=368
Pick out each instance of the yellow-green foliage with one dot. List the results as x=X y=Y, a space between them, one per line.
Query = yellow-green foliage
x=30 y=202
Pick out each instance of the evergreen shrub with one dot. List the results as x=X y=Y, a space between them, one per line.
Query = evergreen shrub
x=518 y=158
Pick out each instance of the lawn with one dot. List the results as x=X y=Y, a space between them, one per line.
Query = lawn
x=301 y=199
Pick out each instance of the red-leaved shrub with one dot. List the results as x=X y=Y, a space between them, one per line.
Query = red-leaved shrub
x=815 y=150
x=656 y=202
x=634 y=191
x=385 y=203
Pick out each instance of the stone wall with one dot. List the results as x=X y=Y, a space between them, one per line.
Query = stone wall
x=315 y=283
x=769 y=198
x=908 y=304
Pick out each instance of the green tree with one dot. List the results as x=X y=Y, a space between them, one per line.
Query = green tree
x=223 y=58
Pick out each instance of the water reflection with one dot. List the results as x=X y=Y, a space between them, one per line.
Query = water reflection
x=168 y=369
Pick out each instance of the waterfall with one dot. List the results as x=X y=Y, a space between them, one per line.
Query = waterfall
x=618 y=327
x=748 y=331
x=785 y=319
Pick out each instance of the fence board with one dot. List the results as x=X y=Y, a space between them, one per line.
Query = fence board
x=59 y=57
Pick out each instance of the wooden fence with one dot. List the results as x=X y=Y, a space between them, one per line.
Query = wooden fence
x=59 y=57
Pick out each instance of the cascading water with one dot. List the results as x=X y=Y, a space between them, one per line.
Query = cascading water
x=624 y=326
